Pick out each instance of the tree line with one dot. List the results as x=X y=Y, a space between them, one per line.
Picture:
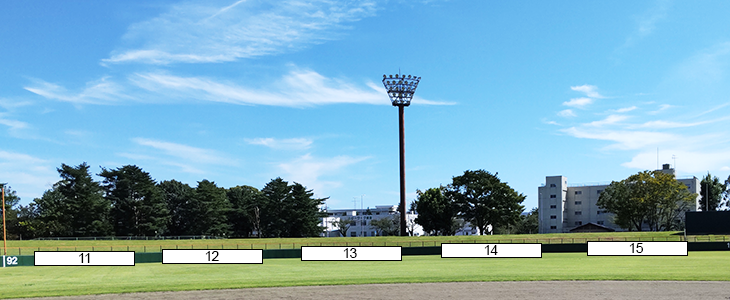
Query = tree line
x=128 y=202
x=478 y=197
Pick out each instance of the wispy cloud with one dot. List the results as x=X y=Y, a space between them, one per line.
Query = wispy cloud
x=282 y=144
x=626 y=109
x=578 y=102
x=30 y=176
x=186 y=158
x=610 y=120
x=566 y=113
x=661 y=108
x=590 y=90
x=216 y=31
x=624 y=139
x=646 y=23
x=296 y=89
x=102 y=91
x=319 y=174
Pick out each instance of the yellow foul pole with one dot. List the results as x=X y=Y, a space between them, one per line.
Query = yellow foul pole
x=5 y=242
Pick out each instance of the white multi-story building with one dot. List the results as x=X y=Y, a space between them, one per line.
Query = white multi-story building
x=361 y=220
x=563 y=207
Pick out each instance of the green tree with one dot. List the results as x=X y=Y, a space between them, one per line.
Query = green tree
x=654 y=198
x=178 y=197
x=528 y=223
x=436 y=212
x=289 y=210
x=84 y=203
x=244 y=200
x=11 y=210
x=138 y=207
x=711 y=189
x=44 y=217
x=302 y=213
x=211 y=210
x=342 y=225
x=482 y=199
x=387 y=226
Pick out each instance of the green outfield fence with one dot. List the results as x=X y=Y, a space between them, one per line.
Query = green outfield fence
x=156 y=257
x=230 y=244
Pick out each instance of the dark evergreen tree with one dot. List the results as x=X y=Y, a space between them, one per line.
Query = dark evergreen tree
x=302 y=213
x=211 y=210
x=179 y=199
x=244 y=201
x=273 y=223
x=138 y=207
x=711 y=188
x=84 y=203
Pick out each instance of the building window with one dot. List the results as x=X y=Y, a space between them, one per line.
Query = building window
x=553 y=217
x=553 y=196
x=553 y=227
x=578 y=223
x=578 y=192
x=352 y=233
x=552 y=185
x=578 y=213
x=599 y=191
x=600 y=222
x=578 y=202
x=553 y=206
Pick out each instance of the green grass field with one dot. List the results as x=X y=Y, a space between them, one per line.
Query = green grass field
x=57 y=281
x=27 y=247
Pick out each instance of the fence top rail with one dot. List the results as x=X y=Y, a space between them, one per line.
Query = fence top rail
x=409 y=243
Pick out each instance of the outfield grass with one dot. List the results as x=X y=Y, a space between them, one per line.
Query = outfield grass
x=58 y=281
x=27 y=247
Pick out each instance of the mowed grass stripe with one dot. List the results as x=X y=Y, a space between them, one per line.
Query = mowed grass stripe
x=27 y=247
x=64 y=281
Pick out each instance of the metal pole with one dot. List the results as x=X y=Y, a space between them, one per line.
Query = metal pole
x=5 y=243
x=402 y=171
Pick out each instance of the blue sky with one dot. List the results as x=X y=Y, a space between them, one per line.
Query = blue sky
x=240 y=92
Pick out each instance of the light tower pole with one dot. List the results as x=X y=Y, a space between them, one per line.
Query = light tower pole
x=400 y=90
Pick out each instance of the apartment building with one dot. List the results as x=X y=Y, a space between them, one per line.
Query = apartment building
x=563 y=207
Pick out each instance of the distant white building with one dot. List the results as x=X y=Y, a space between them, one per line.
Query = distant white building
x=361 y=220
x=563 y=207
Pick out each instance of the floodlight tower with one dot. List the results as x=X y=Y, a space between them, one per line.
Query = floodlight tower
x=400 y=90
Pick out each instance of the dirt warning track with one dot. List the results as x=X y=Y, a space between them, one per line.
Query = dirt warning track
x=538 y=290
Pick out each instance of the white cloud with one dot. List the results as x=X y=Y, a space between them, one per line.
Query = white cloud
x=646 y=23
x=590 y=90
x=624 y=139
x=610 y=120
x=688 y=161
x=296 y=89
x=285 y=144
x=578 y=102
x=309 y=171
x=29 y=176
x=102 y=91
x=566 y=113
x=662 y=108
x=216 y=31
x=626 y=109
x=185 y=155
